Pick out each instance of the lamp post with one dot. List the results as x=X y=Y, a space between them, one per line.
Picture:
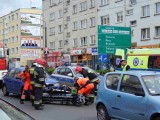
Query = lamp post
x=45 y=35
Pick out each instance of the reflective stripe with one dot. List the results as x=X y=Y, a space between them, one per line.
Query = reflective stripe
x=124 y=68
x=32 y=82
x=41 y=79
x=37 y=102
x=37 y=85
x=94 y=80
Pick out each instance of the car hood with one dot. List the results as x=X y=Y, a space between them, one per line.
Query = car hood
x=51 y=81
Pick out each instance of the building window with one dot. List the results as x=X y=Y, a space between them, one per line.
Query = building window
x=16 y=39
x=52 y=2
x=60 y=44
x=75 y=25
x=52 y=45
x=60 y=29
x=158 y=8
x=52 y=16
x=145 y=11
x=75 y=42
x=83 y=24
x=104 y=2
x=93 y=21
x=12 y=28
x=157 y=30
x=74 y=9
x=93 y=40
x=12 y=39
x=66 y=26
x=16 y=50
x=129 y=12
x=105 y=20
x=133 y=23
x=12 y=17
x=17 y=15
x=83 y=41
x=120 y=17
x=92 y=5
x=16 y=27
x=83 y=6
x=145 y=33
x=12 y=50
x=132 y=2
x=52 y=30
x=67 y=18
x=60 y=14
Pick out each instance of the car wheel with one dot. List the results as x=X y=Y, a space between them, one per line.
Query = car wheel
x=102 y=113
x=158 y=118
x=4 y=90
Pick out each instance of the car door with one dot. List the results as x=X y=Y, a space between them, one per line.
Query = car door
x=9 y=80
x=17 y=83
x=69 y=80
x=110 y=92
x=131 y=100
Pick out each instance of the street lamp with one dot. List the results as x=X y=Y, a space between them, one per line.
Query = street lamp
x=45 y=34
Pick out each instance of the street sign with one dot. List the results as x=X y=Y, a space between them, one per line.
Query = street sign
x=111 y=38
x=102 y=57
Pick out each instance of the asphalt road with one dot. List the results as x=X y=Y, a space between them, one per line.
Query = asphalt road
x=54 y=111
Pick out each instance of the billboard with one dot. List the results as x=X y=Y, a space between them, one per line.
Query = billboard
x=30 y=19
x=111 y=38
x=30 y=30
x=30 y=53
x=30 y=42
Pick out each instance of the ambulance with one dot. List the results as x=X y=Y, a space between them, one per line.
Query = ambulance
x=139 y=59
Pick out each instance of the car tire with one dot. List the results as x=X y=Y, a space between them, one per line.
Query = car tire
x=4 y=90
x=102 y=113
x=158 y=118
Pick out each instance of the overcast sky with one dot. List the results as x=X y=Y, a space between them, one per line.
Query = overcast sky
x=6 y=6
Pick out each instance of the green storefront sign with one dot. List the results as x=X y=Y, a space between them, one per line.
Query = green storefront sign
x=111 y=38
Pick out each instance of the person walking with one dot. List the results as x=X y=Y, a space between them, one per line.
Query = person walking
x=26 y=78
x=39 y=78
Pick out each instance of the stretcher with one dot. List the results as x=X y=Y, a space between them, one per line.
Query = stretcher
x=65 y=95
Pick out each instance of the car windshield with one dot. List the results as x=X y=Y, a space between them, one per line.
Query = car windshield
x=152 y=83
x=9 y=112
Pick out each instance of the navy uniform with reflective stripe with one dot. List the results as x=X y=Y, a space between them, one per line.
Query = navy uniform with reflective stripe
x=31 y=71
x=39 y=78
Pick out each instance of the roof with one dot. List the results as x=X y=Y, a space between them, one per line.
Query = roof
x=137 y=72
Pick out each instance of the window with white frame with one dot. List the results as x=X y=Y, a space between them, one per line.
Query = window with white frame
x=145 y=11
x=52 y=2
x=157 y=31
x=105 y=20
x=92 y=39
x=93 y=21
x=119 y=17
x=16 y=27
x=75 y=42
x=75 y=25
x=12 y=50
x=16 y=38
x=52 y=45
x=52 y=16
x=74 y=9
x=133 y=23
x=12 y=28
x=52 y=30
x=145 y=33
x=60 y=44
x=66 y=26
x=92 y=3
x=16 y=51
x=60 y=29
x=68 y=18
x=83 y=6
x=12 y=17
x=158 y=8
x=104 y=2
x=84 y=41
x=17 y=15
x=132 y=2
x=83 y=23
x=129 y=12
x=12 y=39
x=60 y=13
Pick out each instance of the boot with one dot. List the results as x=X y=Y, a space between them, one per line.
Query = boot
x=21 y=101
x=32 y=101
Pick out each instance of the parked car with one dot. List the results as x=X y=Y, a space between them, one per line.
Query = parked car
x=10 y=112
x=65 y=75
x=13 y=84
x=131 y=95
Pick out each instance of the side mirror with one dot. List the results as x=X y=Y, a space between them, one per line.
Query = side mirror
x=69 y=74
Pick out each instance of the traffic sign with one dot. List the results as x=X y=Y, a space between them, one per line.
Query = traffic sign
x=102 y=57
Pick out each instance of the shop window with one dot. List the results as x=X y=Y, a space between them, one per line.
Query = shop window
x=154 y=62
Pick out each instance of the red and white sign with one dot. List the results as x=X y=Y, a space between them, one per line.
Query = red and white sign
x=30 y=53
x=78 y=51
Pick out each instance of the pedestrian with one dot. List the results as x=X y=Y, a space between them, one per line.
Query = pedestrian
x=104 y=67
x=39 y=78
x=124 y=65
x=26 y=78
x=97 y=67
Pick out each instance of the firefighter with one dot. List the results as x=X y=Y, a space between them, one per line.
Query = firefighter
x=39 y=78
x=26 y=78
x=31 y=71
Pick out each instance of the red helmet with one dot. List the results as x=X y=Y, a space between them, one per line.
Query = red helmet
x=78 y=69
x=40 y=61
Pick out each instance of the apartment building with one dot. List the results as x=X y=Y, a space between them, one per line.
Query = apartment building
x=21 y=33
x=141 y=15
x=72 y=30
